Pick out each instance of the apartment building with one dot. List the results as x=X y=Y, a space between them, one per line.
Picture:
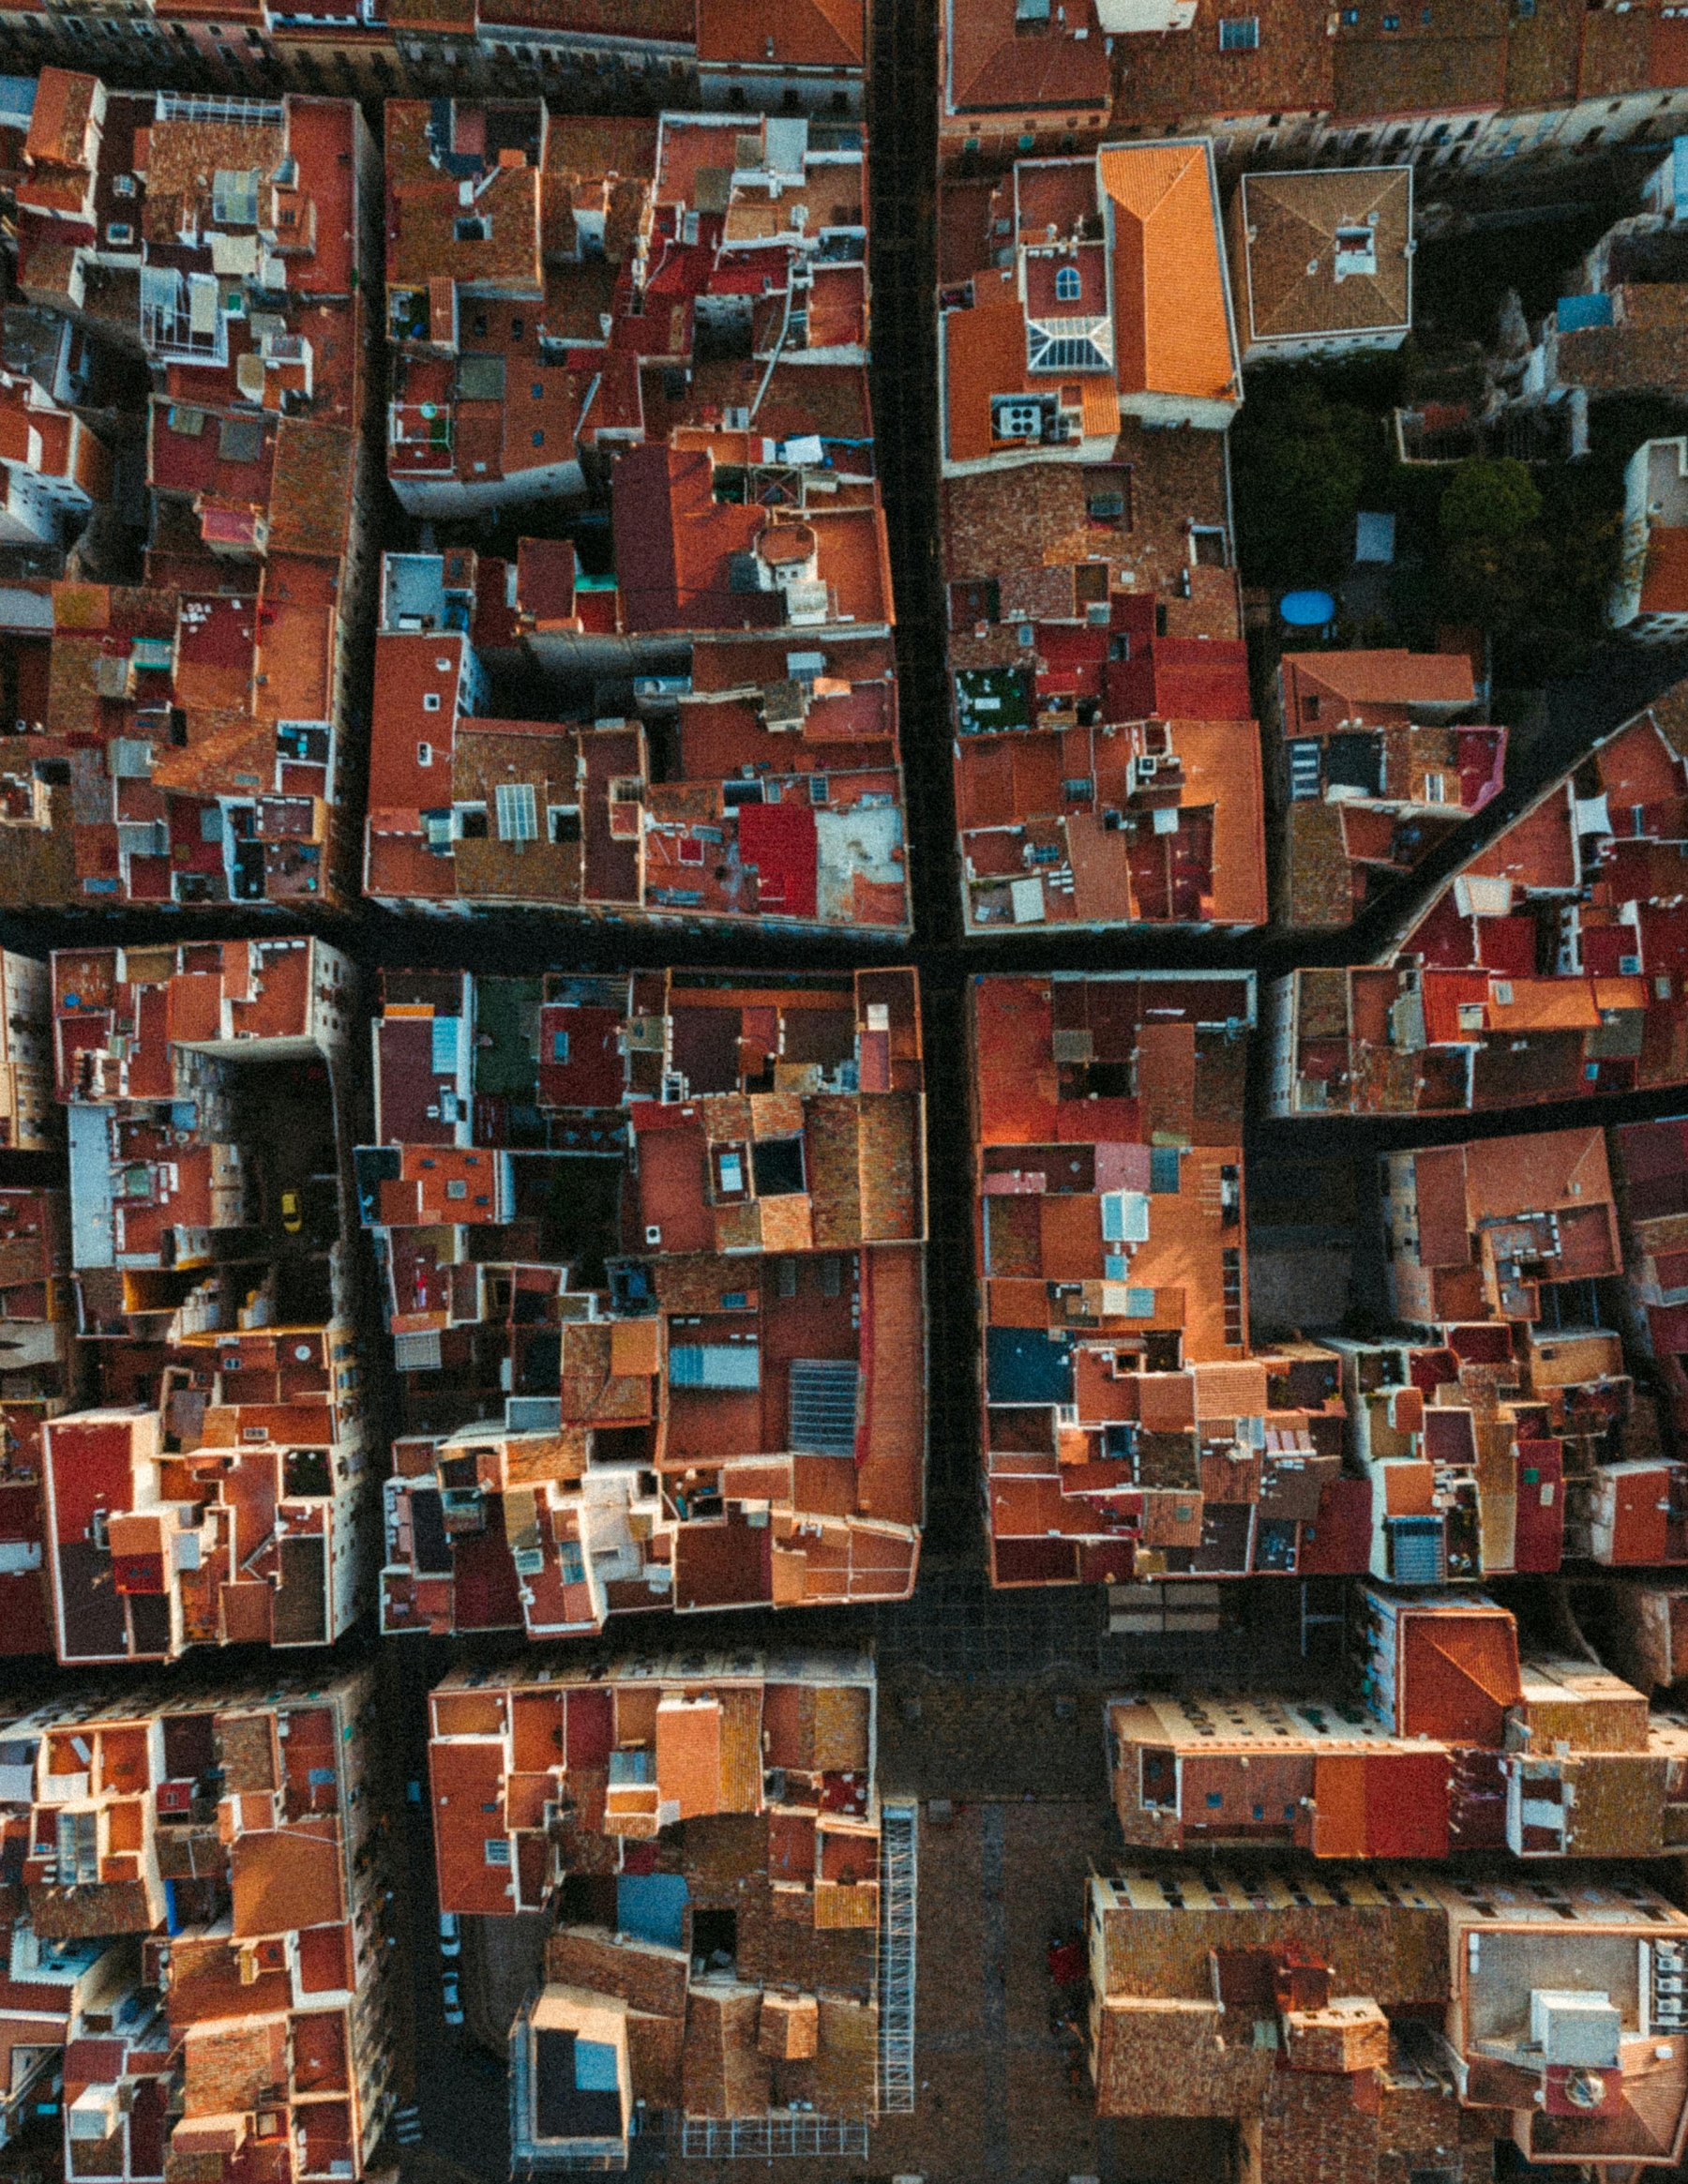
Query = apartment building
x=1452 y=1744
x=196 y=1970
x=1544 y=969
x=665 y=323
x=1107 y=766
x=1387 y=2016
x=183 y=740
x=651 y=1249
x=706 y=1833
x=1130 y=1431
x=1380 y=759
x=211 y=1491
x=1507 y=1254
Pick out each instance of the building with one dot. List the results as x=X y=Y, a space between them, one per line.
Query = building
x=683 y=344
x=196 y=722
x=651 y=1249
x=28 y=1121
x=1474 y=92
x=1017 y=76
x=1506 y=1253
x=1380 y=2018
x=706 y=1835
x=212 y=1494
x=1379 y=763
x=1107 y=765
x=1651 y=1170
x=56 y=468
x=1456 y=1747
x=810 y=55
x=1111 y=302
x=194 y=1929
x=1548 y=968
x=1650 y=598
x=37 y=1383
x=1321 y=262
x=1129 y=1431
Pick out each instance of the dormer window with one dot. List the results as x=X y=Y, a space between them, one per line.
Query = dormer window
x=474 y=230
x=1068 y=287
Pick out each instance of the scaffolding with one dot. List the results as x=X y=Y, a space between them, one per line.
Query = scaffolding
x=899 y=1863
x=761 y=2137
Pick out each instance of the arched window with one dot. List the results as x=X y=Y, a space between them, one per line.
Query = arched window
x=1067 y=284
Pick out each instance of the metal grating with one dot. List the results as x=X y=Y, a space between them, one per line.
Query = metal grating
x=761 y=2138
x=823 y=1406
x=898 y=1867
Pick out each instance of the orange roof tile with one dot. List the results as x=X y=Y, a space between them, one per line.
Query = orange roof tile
x=1171 y=305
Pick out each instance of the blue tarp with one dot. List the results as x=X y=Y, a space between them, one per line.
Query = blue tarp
x=1023 y=1364
x=1576 y=311
x=651 y=1907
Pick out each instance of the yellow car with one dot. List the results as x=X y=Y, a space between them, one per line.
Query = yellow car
x=292 y=1216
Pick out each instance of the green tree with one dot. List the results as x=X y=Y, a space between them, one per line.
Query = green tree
x=1299 y=465
x=1491 y=501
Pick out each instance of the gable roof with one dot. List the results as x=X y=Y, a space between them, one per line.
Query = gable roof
x=1171 y=312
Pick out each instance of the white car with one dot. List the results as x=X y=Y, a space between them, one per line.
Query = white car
x=451 y=1935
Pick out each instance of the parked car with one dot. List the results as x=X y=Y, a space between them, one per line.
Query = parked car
x=454 y=1999
x=451 y=1935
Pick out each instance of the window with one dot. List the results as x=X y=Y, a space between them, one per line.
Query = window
x=518 y=328
x=474 y=230
x=123 y=185
x=517 y=812
x=540 y=437
x=559 y=1046
x=425 y=754
x=1392 y=22
x=1350 y=17
x=565 y=823
x=497 y=1848
x=1067 y=284
x=119 y=231
x=430 y=702
x=1238 y=34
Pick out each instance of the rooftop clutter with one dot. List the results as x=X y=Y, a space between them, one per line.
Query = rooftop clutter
x=1511 y=1432
x=1381 y=760
x=663 y=326
x=1548 y=969
x=1392 y=2017
x=706 y=1834
x=1449 y=1742
x=1107 y=767
x=651 y=1249
x=1128 y=1429
x=209 y=1494
x=192 y=1930
x=179 y=740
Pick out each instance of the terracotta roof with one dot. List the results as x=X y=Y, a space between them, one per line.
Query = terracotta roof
x=1290 y=226
x=310 y=493
x=1171 y=310
x=58 y=123
x=1386 y=73
x=789 y=33
x=992 y=64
